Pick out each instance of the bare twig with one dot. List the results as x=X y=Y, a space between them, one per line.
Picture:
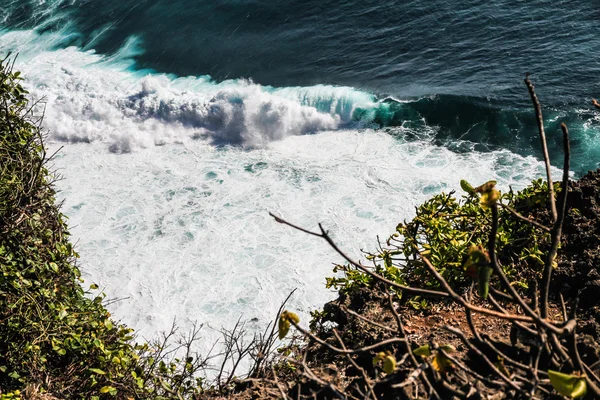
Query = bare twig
x=365 y=319
x=375 y=346
x=498 y=269
x=540 y=124
x=461 y=301
x=409 y=351
x=558 y=224
x=359 y=368
x=281 y=391
x=325 y=235
x=490 y=364
x=524 y=218
x=266 y=342
x=411 y=378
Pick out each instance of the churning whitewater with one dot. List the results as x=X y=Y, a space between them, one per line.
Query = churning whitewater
x=178 y=226
x=168 y=179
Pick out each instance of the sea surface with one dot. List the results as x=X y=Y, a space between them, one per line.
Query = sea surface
x=181 y=124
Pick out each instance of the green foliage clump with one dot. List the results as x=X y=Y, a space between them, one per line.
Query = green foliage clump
x=56 y=338
x=445 y=228
x=49 y=328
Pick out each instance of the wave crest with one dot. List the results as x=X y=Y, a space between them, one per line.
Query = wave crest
x=245 y=114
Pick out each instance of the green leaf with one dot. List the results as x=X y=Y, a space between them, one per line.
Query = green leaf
x=573 y=386
x=93 y=286
x=97 y=371
x=378 y=357
x=489 y=198
x=478 y=255
x=486 y=187
x=108 y=389
x=284 y=322
x=284 y=328
x=423 y=351
x=389 y=364
x=466 y=186
x=441 y=363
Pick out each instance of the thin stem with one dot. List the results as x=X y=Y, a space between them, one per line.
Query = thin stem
x=490 y=364
x=325 y=235
x=524 y=218
x=540 y=124
x=461 y=301
x=558 y=224
x=375 y=346
x=362 y=370
x=540 y=320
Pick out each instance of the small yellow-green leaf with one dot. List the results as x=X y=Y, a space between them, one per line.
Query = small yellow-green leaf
x=466 y=186
x=292 y=316
x=93 y=286
x=97 y=371
x=423 y=351
x=105 y=389
x=389 y=364
x=441 y=363
x=284 y=325
x=380 y=356
x=501 y=367
x=448 y=348
x=573 y=386
x=478 y=255
x=489 y=198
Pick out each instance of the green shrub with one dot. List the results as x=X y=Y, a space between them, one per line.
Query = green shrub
x=50 y=331
x=444 y=229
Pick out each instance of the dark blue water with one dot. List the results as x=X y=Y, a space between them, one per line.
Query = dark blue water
x=461 y=64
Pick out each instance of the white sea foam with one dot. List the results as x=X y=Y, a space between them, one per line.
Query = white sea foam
x=182 y=230
x=93 y=98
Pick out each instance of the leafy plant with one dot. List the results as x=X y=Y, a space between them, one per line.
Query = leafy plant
x=446 y=229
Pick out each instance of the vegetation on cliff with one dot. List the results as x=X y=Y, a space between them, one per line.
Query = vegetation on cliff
x=56 y=339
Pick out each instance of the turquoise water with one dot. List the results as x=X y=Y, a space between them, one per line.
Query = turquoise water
x=183 y=123
x=456 y=66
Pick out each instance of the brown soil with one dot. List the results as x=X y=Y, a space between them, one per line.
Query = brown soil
x=578 y=275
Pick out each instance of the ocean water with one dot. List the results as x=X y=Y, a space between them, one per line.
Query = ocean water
x=182 y=124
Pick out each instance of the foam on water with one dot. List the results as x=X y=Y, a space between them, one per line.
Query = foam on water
x=182 y=230
x=93 y=98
